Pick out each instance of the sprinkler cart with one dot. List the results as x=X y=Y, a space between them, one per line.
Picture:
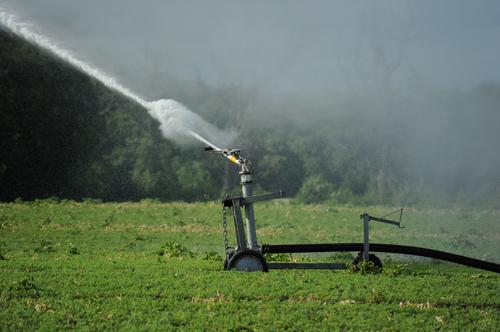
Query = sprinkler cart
x=248 y=255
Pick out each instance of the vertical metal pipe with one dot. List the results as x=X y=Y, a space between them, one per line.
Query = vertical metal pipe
x=246 y=188
x=366 y=245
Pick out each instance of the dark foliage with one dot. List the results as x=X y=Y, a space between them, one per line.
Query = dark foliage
x=65 y=135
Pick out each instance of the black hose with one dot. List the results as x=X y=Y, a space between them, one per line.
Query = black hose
x=380 y=247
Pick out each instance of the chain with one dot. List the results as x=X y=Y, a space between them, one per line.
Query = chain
x=224 y=225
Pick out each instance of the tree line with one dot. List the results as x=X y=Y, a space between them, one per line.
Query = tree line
x=65 y=135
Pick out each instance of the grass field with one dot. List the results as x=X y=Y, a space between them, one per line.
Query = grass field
x=154 y=266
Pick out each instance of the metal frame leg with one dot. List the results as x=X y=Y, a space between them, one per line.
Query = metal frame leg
x=366 y=239
x=238 y=225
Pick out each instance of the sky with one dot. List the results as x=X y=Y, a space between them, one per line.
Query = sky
x=283 y=47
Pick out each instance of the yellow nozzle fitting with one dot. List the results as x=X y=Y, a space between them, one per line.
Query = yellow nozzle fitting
x=233 y=159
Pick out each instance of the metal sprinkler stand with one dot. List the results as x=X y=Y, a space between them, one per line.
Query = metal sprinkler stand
x=248 y=255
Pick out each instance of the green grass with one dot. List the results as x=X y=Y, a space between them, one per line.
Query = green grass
x=97 y=266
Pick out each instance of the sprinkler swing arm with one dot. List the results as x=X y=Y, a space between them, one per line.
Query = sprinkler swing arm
x=248 y=255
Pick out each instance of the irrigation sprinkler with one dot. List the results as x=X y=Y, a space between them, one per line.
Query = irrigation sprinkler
x=248 y=254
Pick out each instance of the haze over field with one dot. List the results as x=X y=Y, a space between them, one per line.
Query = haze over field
x=305 y=48
x=382 y=99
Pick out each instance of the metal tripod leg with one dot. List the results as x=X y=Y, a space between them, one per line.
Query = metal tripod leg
x=366 y=244
x=238 y=225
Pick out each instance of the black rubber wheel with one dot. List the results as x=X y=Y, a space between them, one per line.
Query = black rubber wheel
x=372 y=258
x=247 y=261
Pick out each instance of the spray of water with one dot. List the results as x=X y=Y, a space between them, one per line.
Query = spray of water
x=176 y=121
x=27 y=32
x=180 y=124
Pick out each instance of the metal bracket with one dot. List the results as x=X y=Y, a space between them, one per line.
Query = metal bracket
x=366 y=227
x=387 y=221
x=262 y=197
x=228 y=201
